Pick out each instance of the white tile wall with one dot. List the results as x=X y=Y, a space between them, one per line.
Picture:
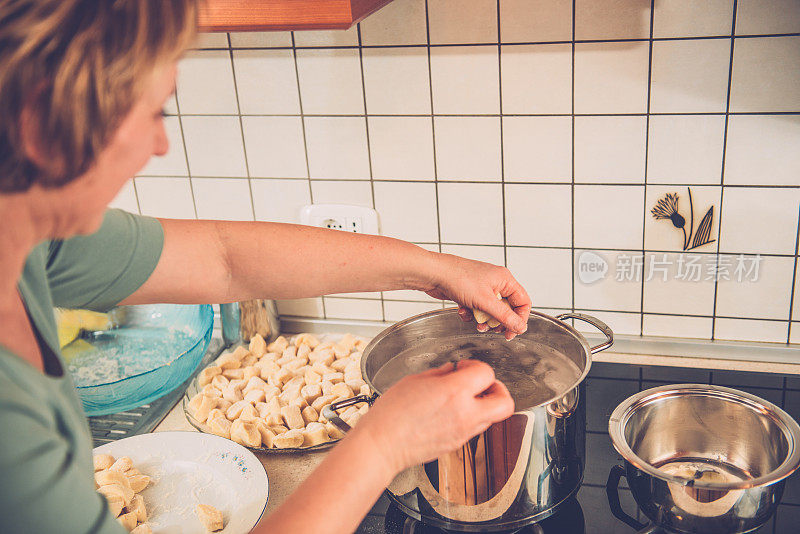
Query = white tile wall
x=609 y=293
x=260 y=39
x=545 y=273
x=327 y=38
x=764 y=297
x=538 y=215
x=766 y=74
x=537 y=149
x=266 y=81
x=471 y=213
x=687 y=149
x=611 y=77
x=166 y=197
x=610 y=149
x=550 y=65
x=396 y=81
x=223 y=199
x=280 y=200
x=665 y=292
x=275 y=147
x=401 y=148
x=205 y=83
x=610 y=216
x=758 y=17
x=408 y=210
x=689 y=76
x=762 y=149
x=400 y=23
x=454 y=68
x=468 y=148
x=214 y=145
x=612 y=19
x=480 y=128
x=330 y=81
x=535 y=20
x=759 y=219
x=677 y=326
x=688 y=18
x=451 y=22
x=337 y=147
x=356 y=193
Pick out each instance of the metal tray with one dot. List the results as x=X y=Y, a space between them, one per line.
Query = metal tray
x=193 y=389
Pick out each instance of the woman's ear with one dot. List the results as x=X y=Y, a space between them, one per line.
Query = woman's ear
x=33 y=142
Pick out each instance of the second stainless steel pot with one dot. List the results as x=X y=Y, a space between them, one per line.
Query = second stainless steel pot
x=518 y=471
x=702 y=459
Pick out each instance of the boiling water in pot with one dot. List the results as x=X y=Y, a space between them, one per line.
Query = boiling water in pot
x=533 y=373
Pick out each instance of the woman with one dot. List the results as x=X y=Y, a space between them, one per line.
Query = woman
x=82 y=85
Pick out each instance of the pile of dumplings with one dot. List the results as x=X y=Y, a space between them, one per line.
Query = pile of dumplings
x=120 y=483
x=272 y=395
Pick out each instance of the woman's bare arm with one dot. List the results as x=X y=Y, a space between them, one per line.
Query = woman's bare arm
x=220 y=261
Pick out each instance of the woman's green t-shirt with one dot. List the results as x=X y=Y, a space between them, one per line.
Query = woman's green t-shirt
x=46 y=468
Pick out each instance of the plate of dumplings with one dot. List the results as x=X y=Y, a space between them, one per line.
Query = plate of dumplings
x=181 y=482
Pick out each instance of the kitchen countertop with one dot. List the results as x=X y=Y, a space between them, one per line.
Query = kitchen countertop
x=608 y=384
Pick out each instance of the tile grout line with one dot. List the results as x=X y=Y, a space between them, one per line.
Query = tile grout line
x=422 y=181
x=302 y=117
x=792 y=296
x=573 y=272
x=305 y=142
x=366 y=127
x=136 y=195
x=366 y=115
x=722 y=169
x=433 y=128
x=474 y=115
x=186 y=153
x=502 y=146
x=518 y=43
x=241 y=127
x=646 y=156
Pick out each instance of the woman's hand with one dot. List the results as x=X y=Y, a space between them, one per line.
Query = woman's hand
x=429 y=414
x=475 y=285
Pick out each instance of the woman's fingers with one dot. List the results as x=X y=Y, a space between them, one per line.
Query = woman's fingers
x=520 y=301
x=496 y=403
x=504 y=313
x=471 y=377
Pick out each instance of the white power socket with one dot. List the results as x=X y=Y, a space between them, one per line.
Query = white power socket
x=356 y=219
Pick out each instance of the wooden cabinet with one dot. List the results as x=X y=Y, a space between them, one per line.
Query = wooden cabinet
x=267 y=15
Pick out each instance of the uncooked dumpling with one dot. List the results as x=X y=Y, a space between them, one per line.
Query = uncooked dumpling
x=210 y=517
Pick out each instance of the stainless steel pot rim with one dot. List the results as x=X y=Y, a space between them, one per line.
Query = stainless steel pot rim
x=622 y=413
x=454 y=311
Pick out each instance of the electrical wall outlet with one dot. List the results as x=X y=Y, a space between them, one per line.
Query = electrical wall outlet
x=356 y=219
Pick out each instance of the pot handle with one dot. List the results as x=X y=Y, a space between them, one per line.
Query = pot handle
x=612 y=491
x=595 y=322
x=331 y=411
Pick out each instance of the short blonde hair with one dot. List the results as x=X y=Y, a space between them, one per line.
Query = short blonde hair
x=78 y=66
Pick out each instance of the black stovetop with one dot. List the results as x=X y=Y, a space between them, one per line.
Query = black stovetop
x=589 y=513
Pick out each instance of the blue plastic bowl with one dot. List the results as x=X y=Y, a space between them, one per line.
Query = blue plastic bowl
x=154 y=349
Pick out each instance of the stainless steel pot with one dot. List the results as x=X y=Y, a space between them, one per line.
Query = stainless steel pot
x=702 y=459
x=516 y=472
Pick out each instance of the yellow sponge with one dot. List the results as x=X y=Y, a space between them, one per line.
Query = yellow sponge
x=72 y=322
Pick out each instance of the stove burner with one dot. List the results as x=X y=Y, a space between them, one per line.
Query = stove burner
x=568 y=520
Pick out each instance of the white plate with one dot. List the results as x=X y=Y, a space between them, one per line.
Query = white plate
x=189 y=468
